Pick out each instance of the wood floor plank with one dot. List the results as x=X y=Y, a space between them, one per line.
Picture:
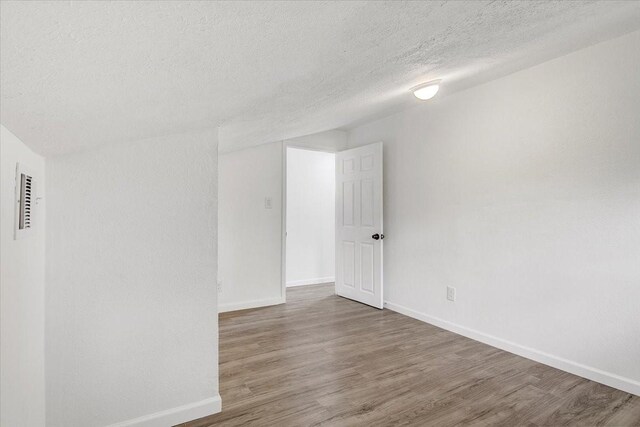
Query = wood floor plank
x=322 y=360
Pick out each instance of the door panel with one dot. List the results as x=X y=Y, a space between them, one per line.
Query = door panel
x=347 y=203
x=366 y=203
x=358 y=218
x=367 y=282
x=349 y=263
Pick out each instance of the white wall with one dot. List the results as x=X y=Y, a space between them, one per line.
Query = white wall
x=250 y=235
x=251 y=241
x=131 y=304
x=310 y=217
x=524 y=194
x=21 y=294
x=328 y=141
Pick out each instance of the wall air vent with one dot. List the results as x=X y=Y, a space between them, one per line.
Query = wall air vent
x=25 y=198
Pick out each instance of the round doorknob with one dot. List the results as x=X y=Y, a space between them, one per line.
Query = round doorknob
x=377 y=236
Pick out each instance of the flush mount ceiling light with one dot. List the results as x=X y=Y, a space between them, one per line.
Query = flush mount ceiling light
x=426 y=90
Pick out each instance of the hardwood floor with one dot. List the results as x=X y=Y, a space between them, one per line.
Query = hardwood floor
x=324 y=360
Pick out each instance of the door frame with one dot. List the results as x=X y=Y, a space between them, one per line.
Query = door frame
x=283 y=234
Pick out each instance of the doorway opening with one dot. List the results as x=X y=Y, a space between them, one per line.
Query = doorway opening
x=310 y=217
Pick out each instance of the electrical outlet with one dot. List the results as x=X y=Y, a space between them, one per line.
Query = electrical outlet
x=451 y=293
x=268 y=203
x=219 y=286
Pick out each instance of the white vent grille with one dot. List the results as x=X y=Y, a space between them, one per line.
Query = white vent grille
x=26 y=192
x=26 y=202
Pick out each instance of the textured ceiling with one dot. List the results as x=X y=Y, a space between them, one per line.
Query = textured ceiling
x=76 y=74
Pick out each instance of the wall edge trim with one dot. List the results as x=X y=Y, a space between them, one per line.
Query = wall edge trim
x=315 y=281
x=177 y=415
x=612 y=380
x=244 y=305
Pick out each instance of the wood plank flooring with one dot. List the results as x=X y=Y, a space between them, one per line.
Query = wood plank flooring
x=322 y=360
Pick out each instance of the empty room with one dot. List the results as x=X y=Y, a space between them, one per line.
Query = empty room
x=319 y=213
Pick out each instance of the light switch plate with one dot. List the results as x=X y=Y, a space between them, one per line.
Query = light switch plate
x=451 y=293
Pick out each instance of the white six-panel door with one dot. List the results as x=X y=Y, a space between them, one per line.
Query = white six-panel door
x=359 y=224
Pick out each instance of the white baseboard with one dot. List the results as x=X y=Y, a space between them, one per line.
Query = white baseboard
x=315 y=281
x=173 y=416
x=243 y=305
x=594 y=374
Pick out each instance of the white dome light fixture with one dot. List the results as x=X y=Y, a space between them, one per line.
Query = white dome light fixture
x=426 y=90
